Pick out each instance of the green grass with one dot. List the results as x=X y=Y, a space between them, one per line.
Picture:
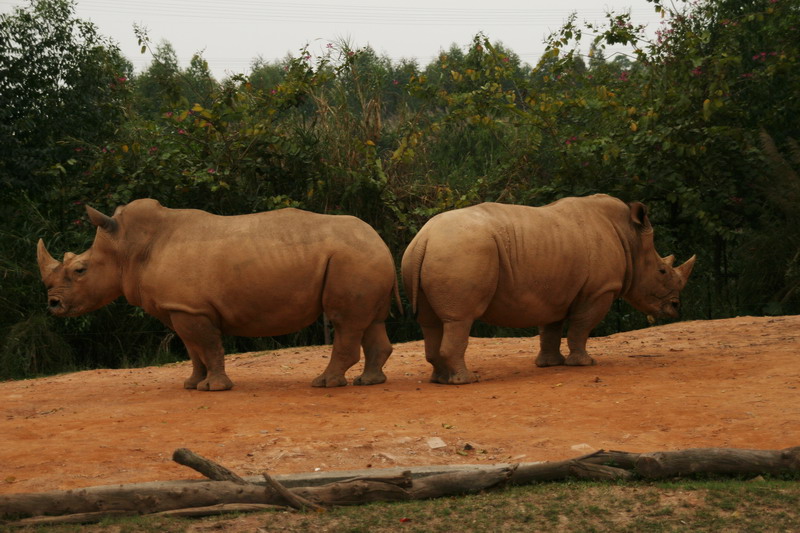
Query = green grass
x=686 y=506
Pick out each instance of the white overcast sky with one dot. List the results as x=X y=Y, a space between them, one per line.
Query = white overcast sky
x=231 y=33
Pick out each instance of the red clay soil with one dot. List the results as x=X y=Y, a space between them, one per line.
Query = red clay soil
x=724 y=383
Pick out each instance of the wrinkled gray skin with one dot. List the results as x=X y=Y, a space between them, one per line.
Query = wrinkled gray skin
x=520 y=266
x=255 y=275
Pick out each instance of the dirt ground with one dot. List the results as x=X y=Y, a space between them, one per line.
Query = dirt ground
x=724 y=383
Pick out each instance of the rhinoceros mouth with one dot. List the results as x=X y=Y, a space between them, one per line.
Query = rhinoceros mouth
x=671 y=308
x=57 y=308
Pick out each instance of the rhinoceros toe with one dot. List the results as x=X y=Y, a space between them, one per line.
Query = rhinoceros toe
x=215 y=383
x=579 y=359
x=324 y=380
x=371 y=379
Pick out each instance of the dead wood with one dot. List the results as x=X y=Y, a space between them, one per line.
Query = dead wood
x=145 y=498
x=187 y=497
x=78 y=518
x=719 y=461
x=207 y=467
x=214 y=510
x=293 y=500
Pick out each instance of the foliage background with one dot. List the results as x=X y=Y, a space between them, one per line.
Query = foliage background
x=700 y=124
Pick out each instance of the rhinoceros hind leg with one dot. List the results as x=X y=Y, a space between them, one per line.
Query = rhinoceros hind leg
x=377 y=350
x=449 y=368
x=346 y=353
x=198 y=374
x=550 y=345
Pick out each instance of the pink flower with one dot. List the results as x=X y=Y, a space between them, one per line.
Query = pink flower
x=697 y=71
x=211 y=171
x=623 y=75
x=329 y=45
x=181 y=132
x=395 y=82
x=153 y=149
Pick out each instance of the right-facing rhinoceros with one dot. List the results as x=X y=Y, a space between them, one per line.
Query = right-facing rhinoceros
x=262 y=274
x=520 y=266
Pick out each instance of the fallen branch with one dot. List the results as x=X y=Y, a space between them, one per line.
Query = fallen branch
x=194 y=498
x=293 y=500
x=208 y=468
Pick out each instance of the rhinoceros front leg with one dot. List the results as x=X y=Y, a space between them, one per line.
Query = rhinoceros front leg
x=203 y=341
x=582 y=320
x=550 y=344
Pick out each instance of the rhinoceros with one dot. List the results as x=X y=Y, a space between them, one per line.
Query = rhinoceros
x=521 y=266
x=261 y=274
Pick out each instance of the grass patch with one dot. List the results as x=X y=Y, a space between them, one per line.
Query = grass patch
x=691 y=506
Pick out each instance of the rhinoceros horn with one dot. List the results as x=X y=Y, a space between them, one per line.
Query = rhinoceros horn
x=685 y=270
x=669 y=260
x=100 y=220
x=46 y=262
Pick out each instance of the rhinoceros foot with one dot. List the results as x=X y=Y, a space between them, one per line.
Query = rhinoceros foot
x=324 y=380
x=370 y=379
x=212 y=383
x=579 y=359
x=549 y=359
x=456 y=378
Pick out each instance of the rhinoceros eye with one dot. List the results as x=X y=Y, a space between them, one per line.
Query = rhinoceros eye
x=81 y=270
x=662 y=270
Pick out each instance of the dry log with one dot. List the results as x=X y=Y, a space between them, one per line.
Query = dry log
x=715 y=461
x=720 y=461
x=145 y=498
x=78 y=518
x=584 y=467
x=207 y=467
x=293 y=500
x=142 y=498
x=214 y=510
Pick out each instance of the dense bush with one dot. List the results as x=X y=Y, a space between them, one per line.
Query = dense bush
x=700 y=124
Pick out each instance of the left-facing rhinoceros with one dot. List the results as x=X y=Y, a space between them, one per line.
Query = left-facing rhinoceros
x=261 y=274
x=520 y=266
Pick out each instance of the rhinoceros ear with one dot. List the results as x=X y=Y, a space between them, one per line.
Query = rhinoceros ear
x=46 y=262
x=639 y=216
x=100 y=220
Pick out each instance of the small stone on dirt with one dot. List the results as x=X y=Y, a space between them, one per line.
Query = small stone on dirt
x=434 y=443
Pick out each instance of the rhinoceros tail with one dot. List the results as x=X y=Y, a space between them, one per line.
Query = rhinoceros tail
x=413 y=272
x=398 y=301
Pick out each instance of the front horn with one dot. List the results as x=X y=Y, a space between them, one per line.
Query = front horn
x=686 y=269
x=46 y=262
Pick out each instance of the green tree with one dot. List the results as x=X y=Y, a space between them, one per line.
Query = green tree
x=59 y=81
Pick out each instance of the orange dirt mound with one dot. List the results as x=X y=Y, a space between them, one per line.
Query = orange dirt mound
x=723 y=383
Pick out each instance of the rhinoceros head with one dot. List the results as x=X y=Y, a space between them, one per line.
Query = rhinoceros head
x=85 y=282
x=656 y=285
